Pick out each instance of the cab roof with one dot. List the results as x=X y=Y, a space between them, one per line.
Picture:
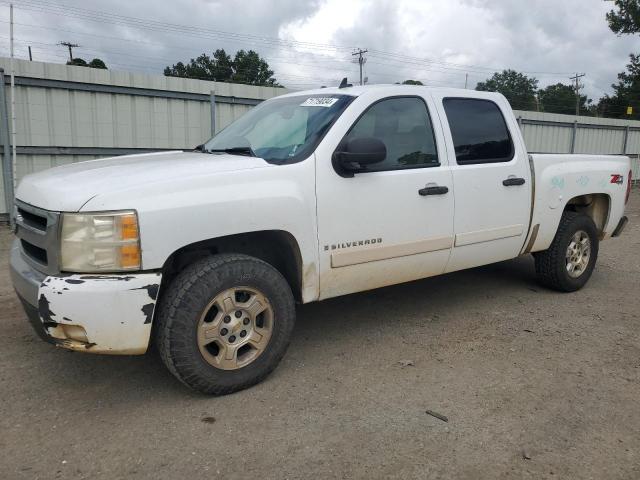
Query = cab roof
x=394 y=89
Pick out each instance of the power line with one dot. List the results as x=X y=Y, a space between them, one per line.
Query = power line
x=455 y=66
x=166 y=61
x=174 y=47
x=438 y=70
x=296 y=78
x=288 y=78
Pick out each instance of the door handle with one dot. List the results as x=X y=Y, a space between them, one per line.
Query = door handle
x=433 y=191
x=513 y=181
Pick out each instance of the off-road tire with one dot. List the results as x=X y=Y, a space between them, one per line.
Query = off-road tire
x=181 y=306
x=551 y=264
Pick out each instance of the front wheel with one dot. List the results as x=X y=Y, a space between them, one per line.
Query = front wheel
x=224 y=323
x=569 y=261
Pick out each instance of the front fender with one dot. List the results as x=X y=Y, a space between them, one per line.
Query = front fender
x=176 y=214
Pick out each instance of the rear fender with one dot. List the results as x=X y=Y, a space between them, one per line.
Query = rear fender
x=574 y=185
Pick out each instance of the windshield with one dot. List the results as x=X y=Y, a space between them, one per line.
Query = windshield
x=281 y=130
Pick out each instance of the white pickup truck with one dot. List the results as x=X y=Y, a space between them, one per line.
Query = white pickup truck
x=308 y=196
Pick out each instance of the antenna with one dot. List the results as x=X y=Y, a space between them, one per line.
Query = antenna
x=344 y=84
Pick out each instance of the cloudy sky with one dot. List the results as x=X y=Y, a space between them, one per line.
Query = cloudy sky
x=308 y=43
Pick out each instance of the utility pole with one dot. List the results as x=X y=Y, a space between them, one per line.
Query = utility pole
x=70 y=45
x=361 y=60
x=577 y=77
x=466 y=80
x=30 y=56
x=13 y=103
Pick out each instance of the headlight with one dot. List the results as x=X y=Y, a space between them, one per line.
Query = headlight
x=100 y=242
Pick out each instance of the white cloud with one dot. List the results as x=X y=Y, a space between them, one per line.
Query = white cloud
x=549 y=38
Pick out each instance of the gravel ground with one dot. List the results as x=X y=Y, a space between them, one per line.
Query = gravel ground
x=535 y=384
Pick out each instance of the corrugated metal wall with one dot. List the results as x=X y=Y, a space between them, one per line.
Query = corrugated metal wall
x=69 y=114
x=546 y=138
x=554 y=133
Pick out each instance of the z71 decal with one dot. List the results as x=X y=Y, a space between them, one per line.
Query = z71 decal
x=617 y=179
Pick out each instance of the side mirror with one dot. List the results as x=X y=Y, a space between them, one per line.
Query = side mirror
x=354 y=155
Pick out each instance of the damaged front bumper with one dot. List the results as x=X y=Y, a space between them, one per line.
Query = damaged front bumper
x=109 y=314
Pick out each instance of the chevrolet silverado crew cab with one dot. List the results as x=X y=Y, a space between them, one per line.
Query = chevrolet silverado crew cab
x=308 y=196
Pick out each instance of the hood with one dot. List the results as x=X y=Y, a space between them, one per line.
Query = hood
x=69 y=187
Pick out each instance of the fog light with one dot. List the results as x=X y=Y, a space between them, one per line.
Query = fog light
x=75 y=332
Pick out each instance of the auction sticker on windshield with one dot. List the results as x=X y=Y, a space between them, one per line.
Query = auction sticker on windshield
x=319 y=102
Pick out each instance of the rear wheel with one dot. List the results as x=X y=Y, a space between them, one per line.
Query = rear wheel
x=568 y=263
x=224 y=323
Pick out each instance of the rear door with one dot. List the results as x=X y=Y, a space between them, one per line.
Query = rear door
x=383 y=226
x=491 y=179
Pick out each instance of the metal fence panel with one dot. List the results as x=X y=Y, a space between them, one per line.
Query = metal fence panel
x=599 y=141
x=633 y=142
x=635 y=169
x=35 y=163
x=553 y=133
x=547 y=138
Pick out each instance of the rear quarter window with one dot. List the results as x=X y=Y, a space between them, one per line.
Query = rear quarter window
x=479 y=131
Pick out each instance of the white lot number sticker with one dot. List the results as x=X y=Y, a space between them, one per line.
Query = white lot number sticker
x=319 y=102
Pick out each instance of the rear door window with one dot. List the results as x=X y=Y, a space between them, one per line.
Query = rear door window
x=479 y=131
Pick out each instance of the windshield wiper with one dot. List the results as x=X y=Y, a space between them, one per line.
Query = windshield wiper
x=234 y=151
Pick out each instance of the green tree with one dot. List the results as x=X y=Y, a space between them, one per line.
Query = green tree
x=95 y=63
x=625 y=18
x=246 y=67
x=561 y=98
x=412 y=82
x=626 y=93
x=249 y=68
x=519 y=89
x=217 y=68
x=78 y=62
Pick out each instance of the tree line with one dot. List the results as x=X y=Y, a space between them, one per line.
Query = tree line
x=245 y=67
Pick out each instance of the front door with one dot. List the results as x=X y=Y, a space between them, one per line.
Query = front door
x=384 y=225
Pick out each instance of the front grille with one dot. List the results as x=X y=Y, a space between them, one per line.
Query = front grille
x=37 y=230
x=37 y=253
x=32 y=219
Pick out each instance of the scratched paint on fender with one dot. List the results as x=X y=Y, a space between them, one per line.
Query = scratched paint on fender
x=557 y=182
x=583 y=181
